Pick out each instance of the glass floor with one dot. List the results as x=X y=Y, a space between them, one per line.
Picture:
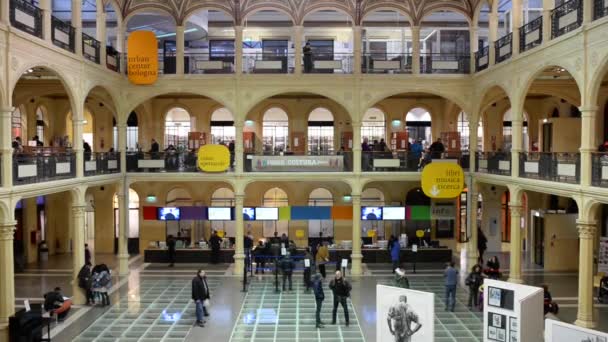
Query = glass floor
x=267 y=316
x=156 y=311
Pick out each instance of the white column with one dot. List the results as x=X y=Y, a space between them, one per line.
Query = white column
x=356 y=147
x=78 y=211
x=586 y=234
x=180 y=47
x=6 y=147
x=472 y=194
x=357 y=49
x=356 y=256
x=588 y=142
x=415 y=49
x=122 y=146
x=516 y=244
x=5 y=12
x=101 y=33
x=493 y=35
x=120 y=45
x=239 y=148
x=239 y=253
x=473 y=46
x=547 y=8
x=298 y=33
x=588 y=6
x=77 y=23
x=7 y=281
x=238 y=50
x=123 y=229
x=516 y=144
x=77 y=145
x=47 y=12
x=473 y=139
x=516 y=13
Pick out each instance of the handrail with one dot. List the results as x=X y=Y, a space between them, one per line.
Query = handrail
x=600 y=9
x=26 y=9
x=65 y=42
x=89 y=43
x=500 y=44
x=444 y=63
x=484 y=52
x=561 y=12
x=527 y=30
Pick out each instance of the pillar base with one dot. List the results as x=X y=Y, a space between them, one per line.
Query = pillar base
x=4 y=336
x=584 y=323
x=239 y=264
x=515 y=280
x=123 y=264
x=356 y=267
x=78 y=295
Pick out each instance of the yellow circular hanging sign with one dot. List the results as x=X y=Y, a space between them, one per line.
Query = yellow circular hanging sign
x=442 y=180
x=213 y=158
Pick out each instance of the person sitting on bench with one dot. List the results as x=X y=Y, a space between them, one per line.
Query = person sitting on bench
x=57 y=304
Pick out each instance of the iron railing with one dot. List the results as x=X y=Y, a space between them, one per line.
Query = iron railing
x=203 y=63
x=298 y=162
x=599 y=167
x=566 y=18
x=440 y=63
x=504 y=48
x=43 y=167
x=482 y=59
x=386 y=63
x=186 y=161
x=90 y=48
x=101 y=163
x=531 y=34
x=26 y=17
x=268 y=63
x=600 y=9
x=112 y=59
x=408 y=161
x=336 y=63
x=497 y=163
x=63 y=34
x=557 y=167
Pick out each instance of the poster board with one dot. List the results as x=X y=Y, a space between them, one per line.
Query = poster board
x=403 y=305
x=556 y=331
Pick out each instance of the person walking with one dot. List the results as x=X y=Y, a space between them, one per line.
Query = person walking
x=451 y=280
x=322 y=258
x=317 y=287
x=260 y=252
x=248 y=245
x=482 y=245
x=287 y=265
x=87 y=254
x=215 y=242
x=474 y=281
x=395 y=251
x=340 y=288
x=85 y=282
x=401 y=279
x=307 y=269
x=171 y=250
x=200 y=294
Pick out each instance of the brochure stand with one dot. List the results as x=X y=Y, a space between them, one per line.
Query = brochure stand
x=512 y=312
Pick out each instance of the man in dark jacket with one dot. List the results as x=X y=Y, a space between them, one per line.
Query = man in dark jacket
x=200 y=293
x=307 y=269
x=171 y=250
x=317 y=287
x=215 y=242
x=437 y=149
x=341 y=290
x=87 y=254
x=287 y=265
x=85 y=282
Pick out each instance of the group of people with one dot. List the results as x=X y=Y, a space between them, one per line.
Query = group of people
x=418 y=156
x=190 y=160
x=96 y=281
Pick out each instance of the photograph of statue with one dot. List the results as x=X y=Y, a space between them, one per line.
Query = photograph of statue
x=402 y=321
x=404 y=315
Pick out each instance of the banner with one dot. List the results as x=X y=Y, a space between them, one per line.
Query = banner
x=404 y=315
x=142 y=57
x=296 y=163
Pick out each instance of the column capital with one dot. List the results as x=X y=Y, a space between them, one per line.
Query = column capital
x=7 y=111
x=586 y=230
x=588 y=109
x=516 y=209
x=7 y=230
x=78 y=210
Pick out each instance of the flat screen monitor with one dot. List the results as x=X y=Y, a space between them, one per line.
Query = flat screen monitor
x=371 y=213
x=393 y=213
x=219 y=213
x=169 y=214
x=267 y=214
x=249 y=214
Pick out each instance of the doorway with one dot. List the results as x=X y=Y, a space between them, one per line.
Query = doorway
x=547 y=137
x=539 y=240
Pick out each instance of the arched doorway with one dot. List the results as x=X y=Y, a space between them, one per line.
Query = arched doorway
x=177 y=127
x=373 y=125
x=133 y=229
x=321 y=132
x=275 y=198
x=507 y=132
x=463 y=128
x=418 y=125
x=276 y=130
x=222 y=127
x=320 y=197
x=41 y=123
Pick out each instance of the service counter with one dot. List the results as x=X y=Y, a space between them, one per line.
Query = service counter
x=370 y=256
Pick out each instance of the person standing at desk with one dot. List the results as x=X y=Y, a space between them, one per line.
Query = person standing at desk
x=171 y=250
x=322 y=258
x=215 y=242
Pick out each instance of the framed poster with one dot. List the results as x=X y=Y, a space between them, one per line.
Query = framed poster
x=501 y=298
x=494 y=296
x=563 y=332
x=405 y=314
x=497 y=327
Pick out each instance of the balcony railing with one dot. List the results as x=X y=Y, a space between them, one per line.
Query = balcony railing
x=337 y=63
x=600 y=9
x=163 y=162
x=203 y=63
x=566 y=18
x=43 y=167
x=482 y=59
x=531 y=34
x=504 y=48
x=63 y=34
x=407 y=161
x=556 y=167
x=440 y=63
x=268 y=63
x=112 y=59
x=386 y=63
x=26 y=17
x=90 y=48
x=101 y=163
x=290 y=162
x=599 y=176
x=496 y=163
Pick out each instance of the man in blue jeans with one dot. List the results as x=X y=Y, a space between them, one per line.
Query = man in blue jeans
x=451 y=280
x=200 y=293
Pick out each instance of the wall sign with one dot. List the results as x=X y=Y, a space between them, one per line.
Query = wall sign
x=213 y=158
x=297 y=163
x=142 y=57
x=442 y=180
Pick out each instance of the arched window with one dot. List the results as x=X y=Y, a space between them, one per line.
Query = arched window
x=40 y=122
x=507 y=132
x=320 y=132
x=177 y=127
x=465 y=133
x=418 y=125
x=373 y=125
x=222 y=127
x=88 y=130
x=133 y=216
x=276 y=130
x=16 y=124
x=275 y=197
x=373 y=197
x=132 y=132
x=223 y=197
x=178 y=197
x=320 y=197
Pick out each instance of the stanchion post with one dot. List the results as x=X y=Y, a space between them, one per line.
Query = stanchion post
x=276 y=274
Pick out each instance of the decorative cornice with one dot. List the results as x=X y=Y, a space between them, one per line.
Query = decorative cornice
x=586 y=230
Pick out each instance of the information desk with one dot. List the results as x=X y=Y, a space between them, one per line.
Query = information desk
x=370 y=256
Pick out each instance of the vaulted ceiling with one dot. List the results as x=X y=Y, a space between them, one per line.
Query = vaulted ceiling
x=415 y=10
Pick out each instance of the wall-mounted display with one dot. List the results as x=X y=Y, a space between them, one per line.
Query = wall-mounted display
x=393 y=213
x=219 y=213
x=249 y=214
x=266 y=214
x=371 y=213
x=168 y=214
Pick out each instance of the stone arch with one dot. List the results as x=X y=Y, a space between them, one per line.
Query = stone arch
x=206 y=6
x=321 y=6
x=265 y=7
x=149 y=95
x=263 y=97
x=388 y=7
x=531 y=77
